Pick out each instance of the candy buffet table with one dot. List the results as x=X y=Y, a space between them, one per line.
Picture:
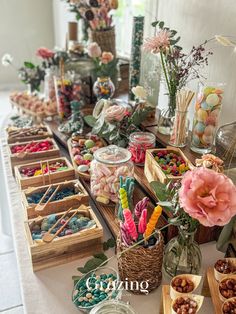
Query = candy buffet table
x=49 y=291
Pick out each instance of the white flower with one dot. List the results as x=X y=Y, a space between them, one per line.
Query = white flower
x=224 y=41
x=139 y=92
x=7 y=60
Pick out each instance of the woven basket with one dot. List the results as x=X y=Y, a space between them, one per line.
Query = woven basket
x=141 y=264
x=106 y=40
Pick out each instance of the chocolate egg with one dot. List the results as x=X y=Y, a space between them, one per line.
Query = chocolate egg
x=207 y=139
x=212 y=100
x=202 y=115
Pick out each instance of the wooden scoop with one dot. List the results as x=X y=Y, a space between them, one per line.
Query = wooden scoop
x=42 y=199
x=41 y=207
x=48 y=237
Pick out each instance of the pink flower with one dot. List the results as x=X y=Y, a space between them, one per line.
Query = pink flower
x=107 y=57
x=114 y=113
x=208 y=196
x=44 y=53
x=160 y=42
x=94 y=51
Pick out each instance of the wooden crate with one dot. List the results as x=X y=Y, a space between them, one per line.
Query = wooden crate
x=56 y=177
x=22 y=138
x=153 y=171
x=30 y=157
x=68 y=248
x=56 y=206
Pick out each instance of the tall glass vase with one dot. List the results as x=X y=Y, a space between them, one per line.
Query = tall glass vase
x=182 y=254
x=206 y=116
x=165 y=122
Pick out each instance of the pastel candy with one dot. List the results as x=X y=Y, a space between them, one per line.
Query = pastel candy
x=208 y=90
x=200 y=97
x=196 y=139
x=200 y=127
x=205 y=106
x=202 y=115
x=83 y=168
x=209 y=130
x=212 y=100
x=207 y=139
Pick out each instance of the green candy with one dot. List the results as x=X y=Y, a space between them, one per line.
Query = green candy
x=88 y=156
x=89 y=144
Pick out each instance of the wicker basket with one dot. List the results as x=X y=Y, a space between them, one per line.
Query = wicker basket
x=106 y=40
x=141 y=264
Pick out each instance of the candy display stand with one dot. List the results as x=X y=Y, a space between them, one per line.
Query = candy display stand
x=55 y=206
x=67 y=248
x=20 y=135
x=55 y=177
x=27 y=157
x=154 y=172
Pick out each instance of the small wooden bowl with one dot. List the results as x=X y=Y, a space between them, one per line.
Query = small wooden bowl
x=195 y=280
x=222 y=298
x=198 y=298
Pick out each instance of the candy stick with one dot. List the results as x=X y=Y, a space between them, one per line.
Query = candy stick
x=153 y=221
x=123 y=198
x=130 y=224
x=140 y=206
x=125 y=235
x=143 y=221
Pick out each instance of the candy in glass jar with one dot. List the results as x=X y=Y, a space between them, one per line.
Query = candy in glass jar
x=139 y=142
x=103 y=88
x=64 y=95
x=109 y=164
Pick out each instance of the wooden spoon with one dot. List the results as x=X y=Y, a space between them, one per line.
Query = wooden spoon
x=42 y=199
x=23 y=152
x=48 y=237
x=41 y=207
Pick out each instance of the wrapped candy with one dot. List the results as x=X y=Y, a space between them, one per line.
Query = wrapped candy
x=143 y=221
x=130 y=224
x=153 y=221
x=140 y=206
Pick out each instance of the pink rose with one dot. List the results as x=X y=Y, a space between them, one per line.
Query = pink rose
x=208 y=196
x=94 y=51
x=114 y=113
x=45 y=53
x=107 y=57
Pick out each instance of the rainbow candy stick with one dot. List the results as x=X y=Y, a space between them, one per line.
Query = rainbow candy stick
x=153 y=221
x=130 y=224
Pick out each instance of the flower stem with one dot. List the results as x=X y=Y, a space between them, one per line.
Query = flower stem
x=165 y=72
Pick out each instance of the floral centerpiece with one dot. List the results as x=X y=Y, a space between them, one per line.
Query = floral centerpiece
x=202 y=197
x=114 y=120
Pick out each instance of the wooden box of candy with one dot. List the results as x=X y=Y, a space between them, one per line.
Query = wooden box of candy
x=166 y=164
x=81 y=151
x=54 y=198
x=78 y=233
x=25 y=152
x=44 y=172
x=32 y=133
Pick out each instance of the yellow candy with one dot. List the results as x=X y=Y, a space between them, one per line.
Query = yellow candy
x=103 y=200
x=182 y=167
x=202 y=115
x=38 y=173
x=124 y=198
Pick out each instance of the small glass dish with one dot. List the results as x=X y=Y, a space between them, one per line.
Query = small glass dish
x=113 y=294
x=112 y=307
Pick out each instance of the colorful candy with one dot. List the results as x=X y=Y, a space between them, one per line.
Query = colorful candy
x=140 y=206
x=35 y=198
x=139 y=142
x=142 y=221
x=64 y=95
x=130 y=224
x=171 y=163
x=32 y=147
x=123 y=198
x=153 y=221
x=206 y=118
x=103 y=88
x=36 y=171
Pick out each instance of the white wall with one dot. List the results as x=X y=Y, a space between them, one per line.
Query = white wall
x=197 y=20
x=25 y=25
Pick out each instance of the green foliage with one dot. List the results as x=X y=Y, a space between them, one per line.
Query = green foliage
x=29 y=65
x=90 y=120
x=109 y=244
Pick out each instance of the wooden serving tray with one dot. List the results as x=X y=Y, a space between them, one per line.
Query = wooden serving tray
x=30 y=157
x=153 y=171
x=22 y=138
x=165 y=306
x=55 y=177
x=68 y=248
x=55 y=206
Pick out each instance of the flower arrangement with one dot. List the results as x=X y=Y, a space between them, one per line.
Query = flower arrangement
x=104 y=62
x=179 y=68
x=117 y=121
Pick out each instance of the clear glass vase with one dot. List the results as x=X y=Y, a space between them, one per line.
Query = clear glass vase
x=206 y=116
x=179 y=131
x=165 y=122
x=103 y=88
x=182 y=255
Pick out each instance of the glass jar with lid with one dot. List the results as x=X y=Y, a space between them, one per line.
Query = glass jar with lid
x=139 y=142
x=109 y=164
x=112 y=307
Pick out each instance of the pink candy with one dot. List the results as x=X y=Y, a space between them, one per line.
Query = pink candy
x=130 y=224
x=143 y=221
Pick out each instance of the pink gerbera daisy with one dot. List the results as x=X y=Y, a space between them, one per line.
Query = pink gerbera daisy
x=159 y=42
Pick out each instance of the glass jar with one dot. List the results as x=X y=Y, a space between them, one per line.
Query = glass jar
x=165 y=121
x=112 y=307
x=206 y=117
x=139 y=142
x=49 y=86
x=64 y=95
x=179 y=131
x=108 y=165
x=182 y=254
x=103 y=88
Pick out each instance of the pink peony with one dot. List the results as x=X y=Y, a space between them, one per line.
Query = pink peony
x=114 y=113
x=94 y=51
x=160 y=42
x=208 y=196
x=107 y=57
x=45 y=53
